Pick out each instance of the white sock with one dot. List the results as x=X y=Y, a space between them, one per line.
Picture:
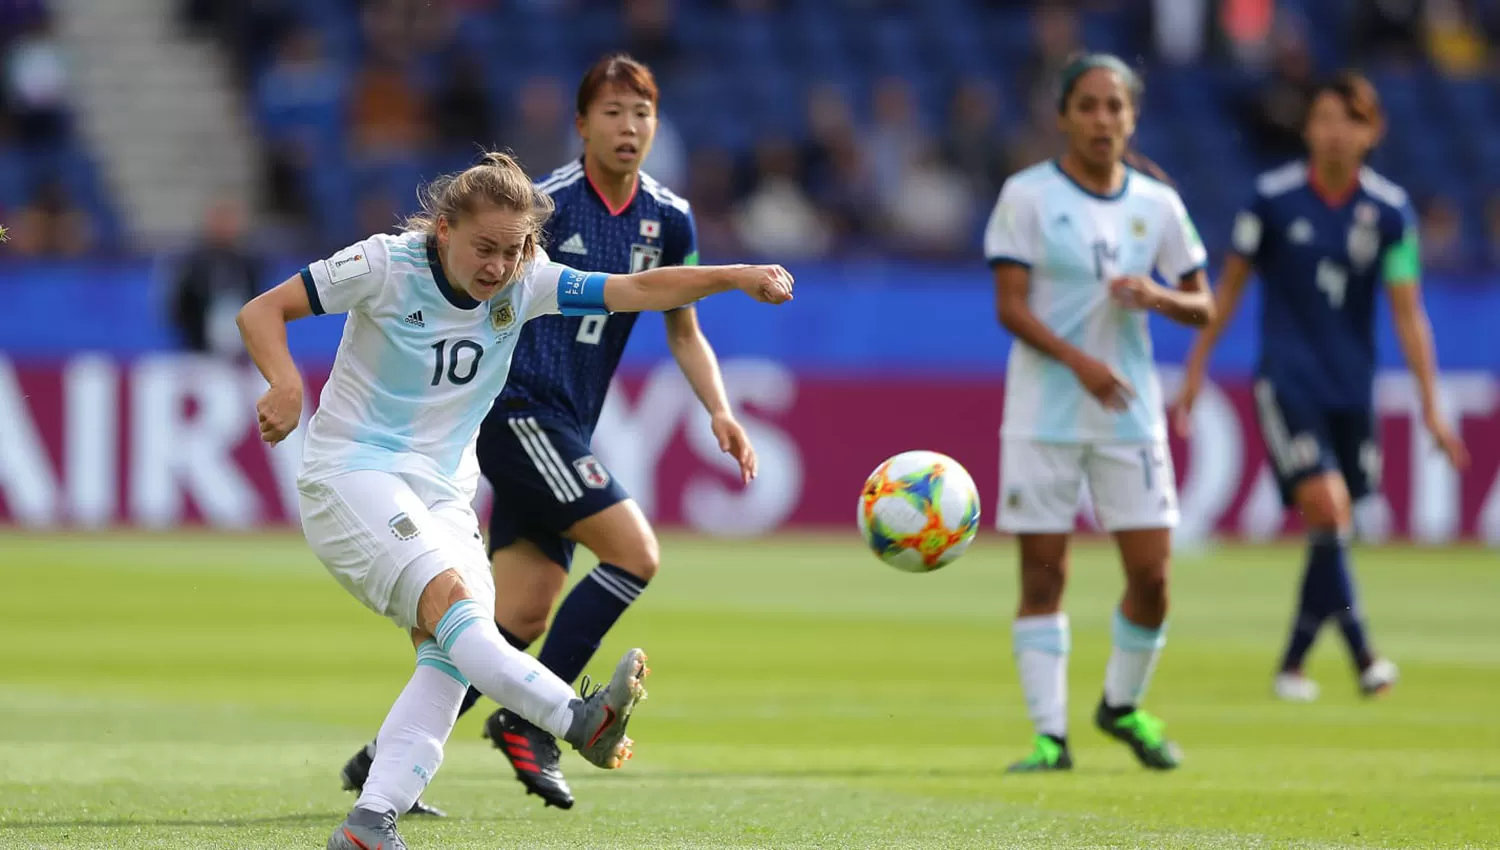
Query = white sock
x=503 y=673
x=409 y=748
x=1131 y=662
x=1041 y=647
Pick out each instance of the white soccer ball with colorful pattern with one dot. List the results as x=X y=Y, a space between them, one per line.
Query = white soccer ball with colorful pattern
x=919 y=511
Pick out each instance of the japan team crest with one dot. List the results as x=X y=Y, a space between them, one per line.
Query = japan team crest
x=502 y=316
x=591 y=472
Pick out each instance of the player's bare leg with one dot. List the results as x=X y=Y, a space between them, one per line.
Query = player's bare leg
x=628 y=558
x=1041 y=642
x=1328 y=592
x=1139 y=633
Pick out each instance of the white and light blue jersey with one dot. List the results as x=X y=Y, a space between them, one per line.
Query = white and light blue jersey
x=420 y=362
x=1074 y=242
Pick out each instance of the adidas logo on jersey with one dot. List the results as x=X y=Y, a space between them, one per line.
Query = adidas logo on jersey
x=415 y=320
x=574 y=245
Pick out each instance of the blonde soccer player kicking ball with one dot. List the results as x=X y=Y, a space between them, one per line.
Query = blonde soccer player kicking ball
x=388 y=469
x=1073 y=243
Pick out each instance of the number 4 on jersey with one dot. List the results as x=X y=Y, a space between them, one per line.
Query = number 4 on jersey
x=1334 y=282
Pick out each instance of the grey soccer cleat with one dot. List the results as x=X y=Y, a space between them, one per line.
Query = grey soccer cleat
x=600 y=717
x=367 y=830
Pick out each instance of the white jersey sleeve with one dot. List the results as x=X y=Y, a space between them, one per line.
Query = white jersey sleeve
x=1012 y=234
x=1181 y=250
x=348 y=279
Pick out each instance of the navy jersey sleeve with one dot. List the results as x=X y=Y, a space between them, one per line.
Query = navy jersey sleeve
x=1248 y=237
x=683 y=248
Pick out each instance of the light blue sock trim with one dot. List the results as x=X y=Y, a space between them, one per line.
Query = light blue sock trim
x=429 y=654
x=1133 y=638
x=1052 y=636
x=462 y=615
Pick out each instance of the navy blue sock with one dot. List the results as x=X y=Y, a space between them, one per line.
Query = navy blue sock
x=590 y=609
x=1345 y=608
x=1317 y=600
x=473 y=695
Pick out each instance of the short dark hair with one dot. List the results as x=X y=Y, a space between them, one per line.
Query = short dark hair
x=616 y=69
x=1361 y=99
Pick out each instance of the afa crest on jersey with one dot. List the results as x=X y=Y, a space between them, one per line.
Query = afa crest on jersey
x=502 y=316
x=591 y=472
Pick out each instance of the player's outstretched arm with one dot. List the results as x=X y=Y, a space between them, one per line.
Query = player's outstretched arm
x=262 y=324
x=670 y=287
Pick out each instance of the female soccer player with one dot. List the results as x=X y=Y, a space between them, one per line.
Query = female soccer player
x=551 y=492
x=1073 y=243
x=388 y=468
x=1323 y=233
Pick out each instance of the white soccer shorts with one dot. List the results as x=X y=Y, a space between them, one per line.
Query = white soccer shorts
x=369 y=528
x=1132 y=485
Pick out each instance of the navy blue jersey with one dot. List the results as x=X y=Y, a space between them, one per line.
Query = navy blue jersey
x=563 y=364
x=1321 y=263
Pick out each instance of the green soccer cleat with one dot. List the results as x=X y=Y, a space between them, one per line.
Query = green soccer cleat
x=1143 y=733
x=1047 y=754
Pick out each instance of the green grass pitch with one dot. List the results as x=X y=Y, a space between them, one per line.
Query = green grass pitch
x=193 y=691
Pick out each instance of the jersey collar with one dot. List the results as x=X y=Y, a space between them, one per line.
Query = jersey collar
x=453 y=296
x=594 y=187
x=1328 y=196
x=1113 y=196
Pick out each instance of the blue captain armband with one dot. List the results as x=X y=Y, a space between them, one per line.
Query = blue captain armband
x=581 y=293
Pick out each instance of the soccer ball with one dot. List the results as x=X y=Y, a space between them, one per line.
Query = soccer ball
x=919 y=511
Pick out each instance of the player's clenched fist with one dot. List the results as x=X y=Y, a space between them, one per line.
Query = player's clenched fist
x=278 y=411
x=767 y=284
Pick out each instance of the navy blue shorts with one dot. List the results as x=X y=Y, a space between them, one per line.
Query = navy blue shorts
x=1304 y=440
x=545 y=478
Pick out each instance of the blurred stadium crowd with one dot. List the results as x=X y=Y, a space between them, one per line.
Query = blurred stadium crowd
x=798 y=128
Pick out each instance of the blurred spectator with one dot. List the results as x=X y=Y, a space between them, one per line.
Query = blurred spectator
x=541 y=131
x=213 y=281
x=1388 y=30
x=1179 y=28
x=836 y=170
x=1056 y=29
x=285 y=168
x=895 y=138
x=1454 y=40
x=36 y=86
x=401 y=30
x=972 y=144
x=1442 y=236
x=648 y=35
x=778 y=219
x=667 y=159
x=1275 y=115
x=51 y=224
x=711 y=191
x=462 y=107
x=388 y=116
x=931 y=216
x=300 y=75
x=244 y=27
x=1248 y=27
